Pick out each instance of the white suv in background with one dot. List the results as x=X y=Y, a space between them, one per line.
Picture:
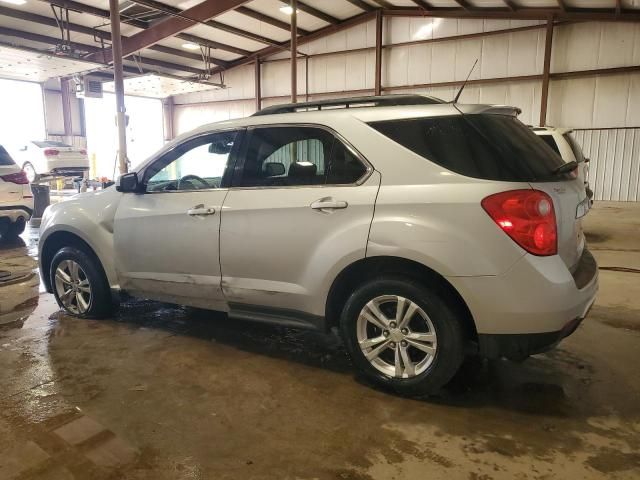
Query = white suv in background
x=424 y=231
x=563 y=143
x=16 y=199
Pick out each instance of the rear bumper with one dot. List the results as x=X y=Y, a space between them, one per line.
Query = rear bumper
x=69 y=171
x=520 y=346
x=538 y=295
x=14 y=212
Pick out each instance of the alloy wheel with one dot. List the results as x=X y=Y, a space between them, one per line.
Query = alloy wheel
x=73 y=287
x=396 y=336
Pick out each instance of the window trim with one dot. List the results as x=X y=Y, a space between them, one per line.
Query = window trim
x=229 y=170
x=239 y=164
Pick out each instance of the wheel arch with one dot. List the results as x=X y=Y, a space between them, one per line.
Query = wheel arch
x=53 y=243
x=351 y=276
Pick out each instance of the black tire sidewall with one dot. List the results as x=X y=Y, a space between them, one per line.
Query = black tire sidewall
x=101 y=302
x=450 y=349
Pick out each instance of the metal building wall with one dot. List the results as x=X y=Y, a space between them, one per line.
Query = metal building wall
x=614 y=166
x=589 y=102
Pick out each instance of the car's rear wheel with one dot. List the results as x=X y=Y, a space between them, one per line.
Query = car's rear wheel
x=403 y=335
x=30 y=171
x=79 y=284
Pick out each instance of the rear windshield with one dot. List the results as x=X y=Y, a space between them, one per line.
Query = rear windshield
x=50 y=143
x=491 y=147
x=577 y=151
x=5 y=158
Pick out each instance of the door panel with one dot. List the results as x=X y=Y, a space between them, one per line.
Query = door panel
x=164 y=253
x=167 y=239
x=299 y=211
x=278 y=251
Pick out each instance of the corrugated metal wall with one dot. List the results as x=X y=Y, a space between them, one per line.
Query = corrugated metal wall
x=593 y=102
x=614 y=166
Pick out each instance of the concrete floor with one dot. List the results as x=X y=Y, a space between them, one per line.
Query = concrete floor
x=160 y=393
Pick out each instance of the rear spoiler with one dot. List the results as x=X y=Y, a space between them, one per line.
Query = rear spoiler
x=489 y=109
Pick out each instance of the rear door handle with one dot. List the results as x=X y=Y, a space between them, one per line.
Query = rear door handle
x=329 y=204
x=200 y=210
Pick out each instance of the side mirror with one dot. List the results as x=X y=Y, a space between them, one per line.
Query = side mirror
x=587 y=160
x=128 y=183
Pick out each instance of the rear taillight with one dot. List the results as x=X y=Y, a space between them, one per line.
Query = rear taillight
x=20 y=178
x=51 y=152
x=528 y=217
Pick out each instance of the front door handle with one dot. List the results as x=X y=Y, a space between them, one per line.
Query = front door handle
x=329 y=204
x=200 y=210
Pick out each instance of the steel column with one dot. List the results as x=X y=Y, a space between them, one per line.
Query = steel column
x=65 y=85
x=546 y=72
x=118 y=81
x=294 y=52
x=378 y=73
x=258 y=85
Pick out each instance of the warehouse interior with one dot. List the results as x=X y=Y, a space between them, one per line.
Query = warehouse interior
x=160 y=390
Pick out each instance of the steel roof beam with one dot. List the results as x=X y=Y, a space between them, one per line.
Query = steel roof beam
x=362 y=5
x=274 y=22
x=36 y=37
x=203 y=11
x=303 y=7
x=169 y=10
x=578 y=14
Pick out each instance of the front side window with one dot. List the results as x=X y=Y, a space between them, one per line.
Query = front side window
x=197 y=164
x=294 y=156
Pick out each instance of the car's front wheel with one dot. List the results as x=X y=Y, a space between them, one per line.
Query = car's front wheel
x=403 y=335
x=79 y=284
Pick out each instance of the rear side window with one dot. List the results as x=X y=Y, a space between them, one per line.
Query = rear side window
x=293 y=156
x=5 y=158
x=549 y=140
x=491 y=147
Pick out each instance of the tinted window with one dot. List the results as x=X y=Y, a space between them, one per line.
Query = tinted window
x=5 y=158
x=492 y=147
x=51 y=143
x=577 y=151
x=289 y=156
x=197 y=164
x=549 y=140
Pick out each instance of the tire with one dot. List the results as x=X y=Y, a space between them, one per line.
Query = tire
x=30 y=172
x=429 y=371
x=97 y=301
x=16 y=228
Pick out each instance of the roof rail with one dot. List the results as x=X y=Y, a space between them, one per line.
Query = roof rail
x=370 y=101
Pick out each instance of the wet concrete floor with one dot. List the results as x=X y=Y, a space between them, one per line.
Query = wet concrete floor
x=162 y=392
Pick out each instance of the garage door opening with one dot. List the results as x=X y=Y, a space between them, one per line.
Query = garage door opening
x=144 y=132
x=25 y=122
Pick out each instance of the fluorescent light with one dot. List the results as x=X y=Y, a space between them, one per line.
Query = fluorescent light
x=15 y=2
x=191 y=46
x=287 y=10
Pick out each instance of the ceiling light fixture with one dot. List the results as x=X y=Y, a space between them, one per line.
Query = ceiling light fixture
x=15 y=2
x=288 y=10
x=190 y=46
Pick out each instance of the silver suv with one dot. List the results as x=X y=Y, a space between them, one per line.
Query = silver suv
x=424 y=231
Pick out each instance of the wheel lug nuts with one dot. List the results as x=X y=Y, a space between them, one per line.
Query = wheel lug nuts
x=385 y=333
x=404 y=331
x=403 y=343
x=392 y=324
x=392 y=344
